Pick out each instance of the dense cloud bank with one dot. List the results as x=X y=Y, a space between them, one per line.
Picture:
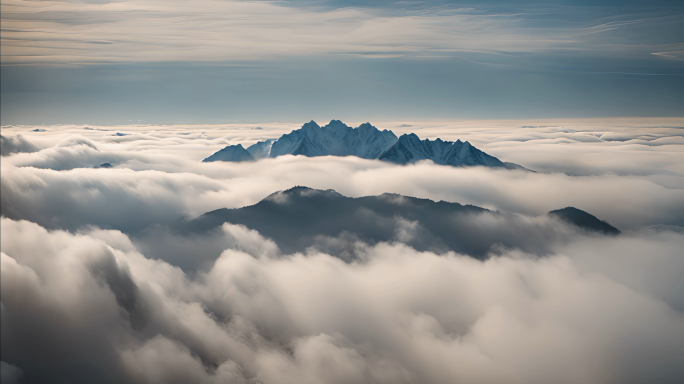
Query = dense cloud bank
x=17 y=144
x=98 y=287
x=78 y=308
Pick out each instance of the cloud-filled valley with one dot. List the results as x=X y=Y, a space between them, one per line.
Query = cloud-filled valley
x=104 y=279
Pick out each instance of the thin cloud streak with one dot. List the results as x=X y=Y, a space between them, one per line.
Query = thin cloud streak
x=69 y=33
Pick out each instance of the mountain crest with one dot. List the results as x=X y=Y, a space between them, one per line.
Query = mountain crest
x=365 y=141
x=300 y=217
x=584 y=220
x=311 y=124
x=234 y=153
x=334 y=139
x=409 y=149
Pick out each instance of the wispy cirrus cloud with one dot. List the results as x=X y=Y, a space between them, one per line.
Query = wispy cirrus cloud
x=62 y=32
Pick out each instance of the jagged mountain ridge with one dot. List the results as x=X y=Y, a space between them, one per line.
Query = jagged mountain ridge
x=368 y=142
x=409 y=148
x=334 y=139
x=301 y=217
x=261 y=149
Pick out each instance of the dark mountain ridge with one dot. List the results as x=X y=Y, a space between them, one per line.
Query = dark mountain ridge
x=301 y=217
x=584 y=220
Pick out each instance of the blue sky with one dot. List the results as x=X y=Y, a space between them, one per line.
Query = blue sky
x=217 y=61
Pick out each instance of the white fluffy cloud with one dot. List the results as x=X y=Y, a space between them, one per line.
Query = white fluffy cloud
x=398 y=316
x=18 y=144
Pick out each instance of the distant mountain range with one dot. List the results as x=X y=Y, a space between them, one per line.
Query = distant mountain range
x=301 y=217
x=365 y=141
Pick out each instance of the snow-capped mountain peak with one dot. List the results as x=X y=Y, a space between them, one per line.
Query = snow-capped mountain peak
x=409 y=149
x=334 y=139
x=261 y=149
x=365 y=141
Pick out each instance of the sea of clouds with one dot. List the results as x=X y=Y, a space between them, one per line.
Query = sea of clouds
x=96 y=289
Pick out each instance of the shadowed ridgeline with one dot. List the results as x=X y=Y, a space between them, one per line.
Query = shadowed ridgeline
x=301 y=217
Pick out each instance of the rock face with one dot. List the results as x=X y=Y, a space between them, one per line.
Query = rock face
x=334 y=139
x=235 y=153
x=367 y=142
x=409 y=148
x=260 y=149
x=584 y=220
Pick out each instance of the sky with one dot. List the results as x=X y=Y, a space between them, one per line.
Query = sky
x=220 y=62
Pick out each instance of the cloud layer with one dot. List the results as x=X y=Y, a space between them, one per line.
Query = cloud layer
x=77 y=33
x=400 y=316
x=96 y=288
x=632 y=182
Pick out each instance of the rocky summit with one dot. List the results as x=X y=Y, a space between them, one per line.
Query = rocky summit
x=364 y=141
